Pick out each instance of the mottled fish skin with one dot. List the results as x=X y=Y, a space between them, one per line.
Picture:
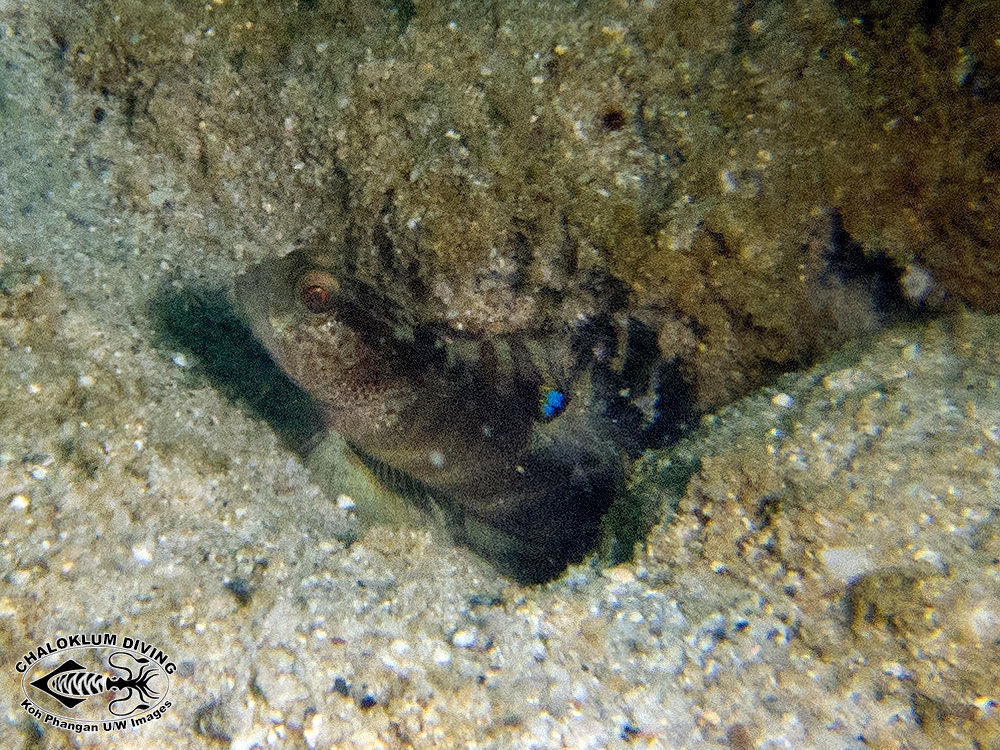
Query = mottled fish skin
x=453 y=428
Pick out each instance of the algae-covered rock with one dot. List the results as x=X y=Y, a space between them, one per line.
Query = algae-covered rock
x=859 y=499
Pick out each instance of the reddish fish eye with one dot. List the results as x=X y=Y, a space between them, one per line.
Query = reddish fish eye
x=317 y=291
x=316 y=298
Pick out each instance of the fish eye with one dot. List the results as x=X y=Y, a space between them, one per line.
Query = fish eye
x=317 y=291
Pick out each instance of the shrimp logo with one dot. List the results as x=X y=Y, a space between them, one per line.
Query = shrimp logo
x=93 y=683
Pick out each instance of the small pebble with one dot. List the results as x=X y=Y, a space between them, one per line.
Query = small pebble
x=782 y=399
x=983 y=703
x=345 y=502
x=311 y=733
x=464 y=638
x=441 y=657
x=142 y=555
x=19 y=502
x=931 y=557
x=917 y=283
x=842 y=380
x=619 y=574
x=846 y=563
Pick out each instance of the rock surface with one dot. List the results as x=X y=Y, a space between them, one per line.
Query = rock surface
x=702 y=168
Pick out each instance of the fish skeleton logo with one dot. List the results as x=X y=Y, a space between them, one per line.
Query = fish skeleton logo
x=105 y=682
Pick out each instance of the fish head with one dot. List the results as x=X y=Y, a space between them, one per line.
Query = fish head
x=325 y=336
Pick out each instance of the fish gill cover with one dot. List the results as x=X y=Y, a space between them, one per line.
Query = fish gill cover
x=650 y=208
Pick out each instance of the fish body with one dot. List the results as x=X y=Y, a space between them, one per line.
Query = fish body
x=473 y=429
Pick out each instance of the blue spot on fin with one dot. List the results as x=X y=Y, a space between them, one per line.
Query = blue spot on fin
x=552 y=402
